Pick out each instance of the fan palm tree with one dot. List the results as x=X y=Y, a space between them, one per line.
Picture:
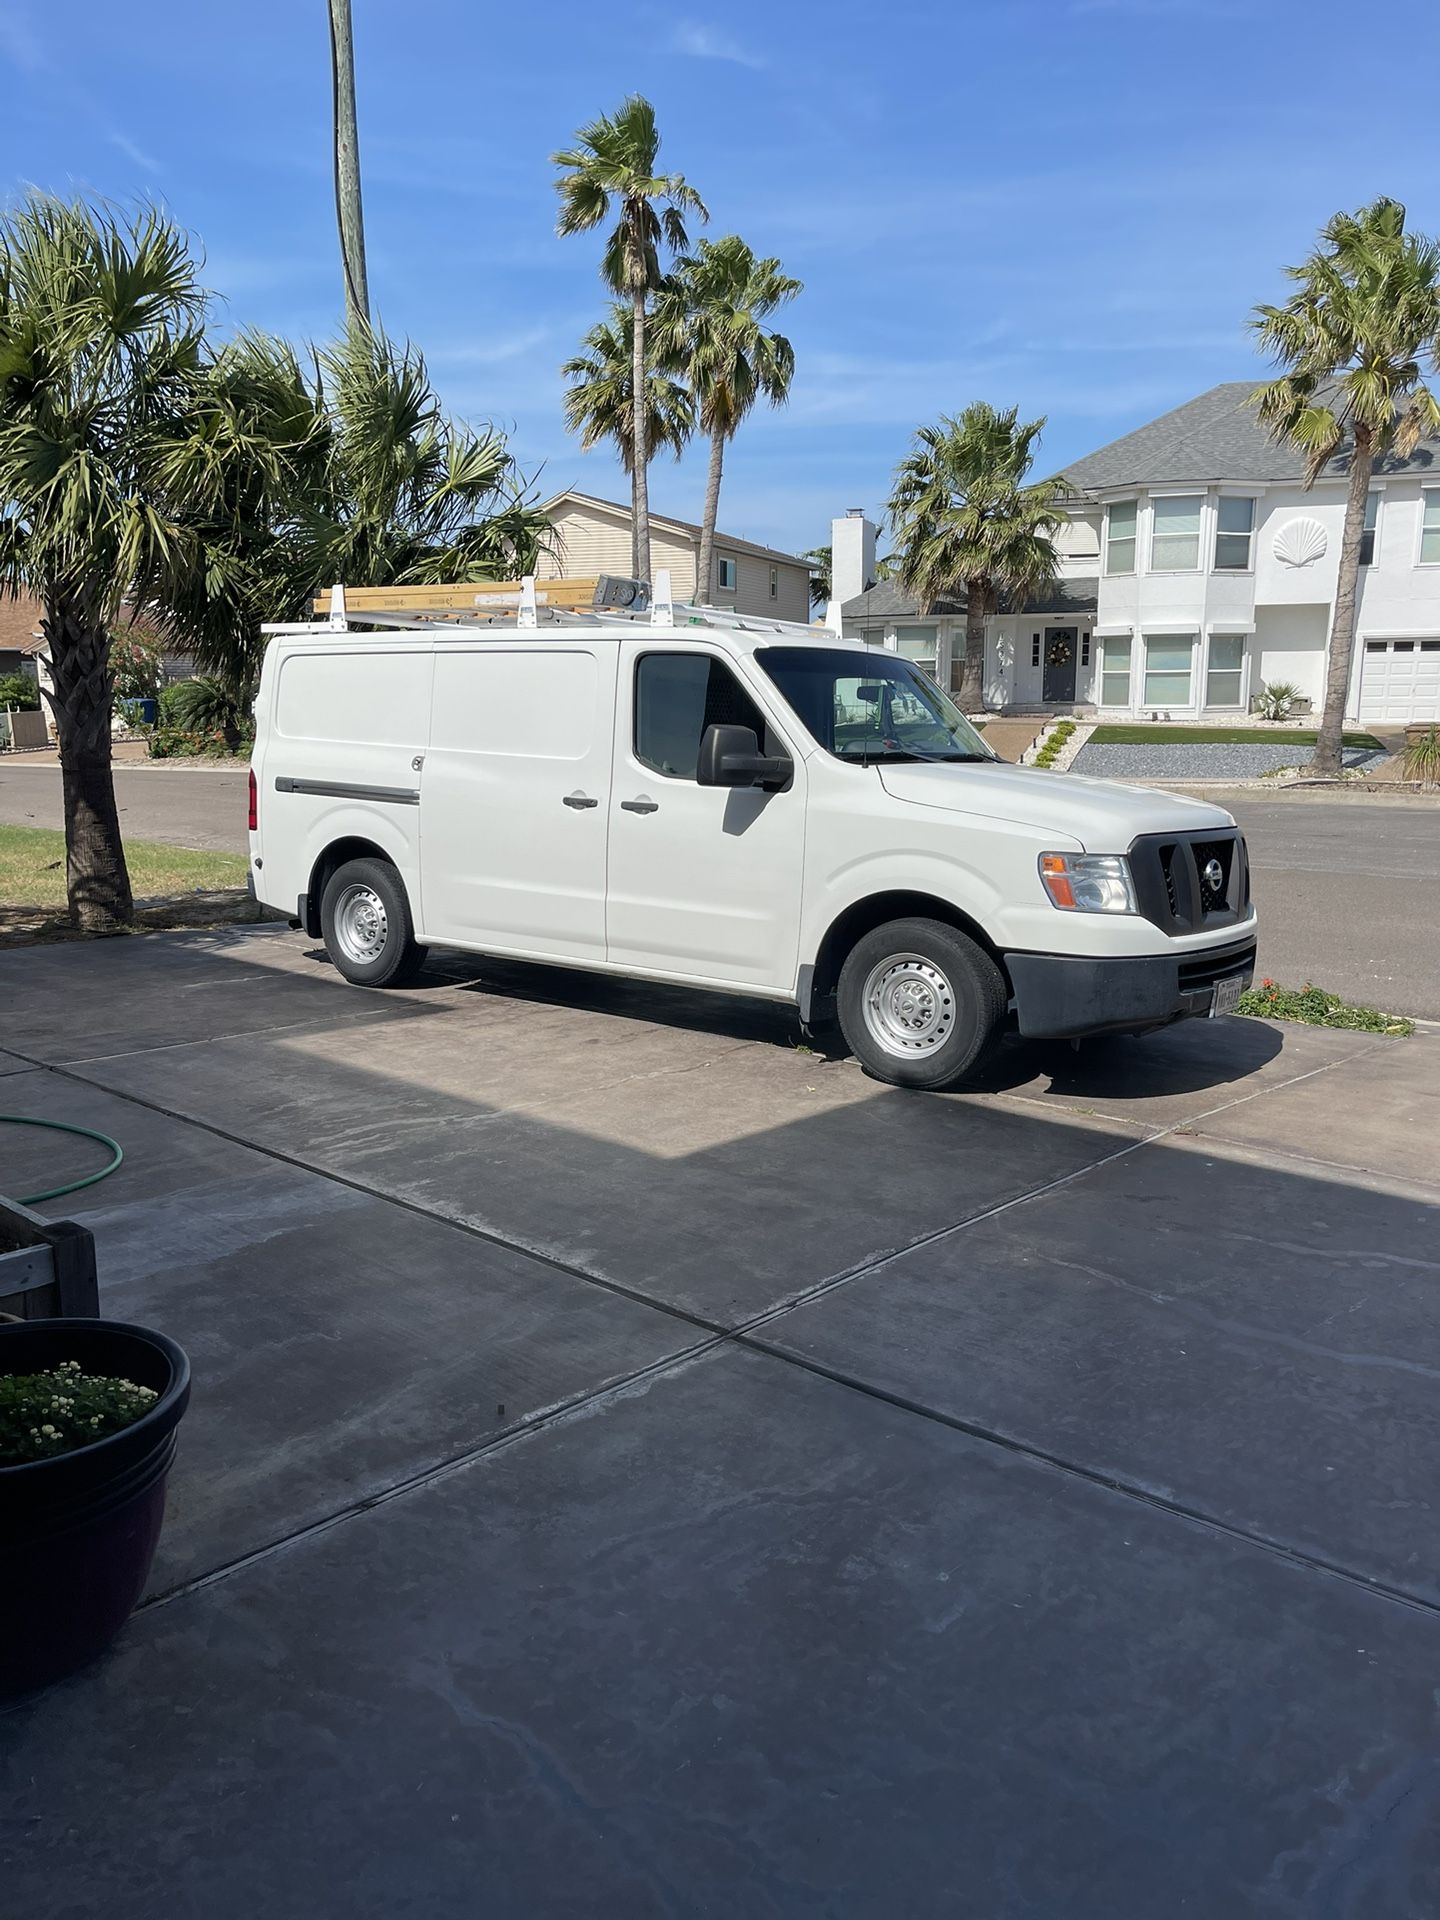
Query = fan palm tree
x=966 y=523
x=377 y=486
x=599 y=402
x=822 y=561
x=614 y=160
x=119 y=455
x=1354 y=339
x=399 y=493
x=710 y=324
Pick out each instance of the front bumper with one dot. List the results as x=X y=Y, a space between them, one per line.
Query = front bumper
x=1063 y=996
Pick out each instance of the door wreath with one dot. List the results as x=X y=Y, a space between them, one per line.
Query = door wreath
x=1059 y=655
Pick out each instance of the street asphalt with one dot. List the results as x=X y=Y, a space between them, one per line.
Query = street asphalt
x=1346 y=887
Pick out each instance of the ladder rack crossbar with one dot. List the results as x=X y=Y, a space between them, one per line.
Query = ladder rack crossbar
x=490 y=606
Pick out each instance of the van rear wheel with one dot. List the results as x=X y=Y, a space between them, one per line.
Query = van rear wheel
x=920 y=1004
x=365 y=918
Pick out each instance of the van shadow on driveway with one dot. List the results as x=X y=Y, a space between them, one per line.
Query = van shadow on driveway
x=638 y=1467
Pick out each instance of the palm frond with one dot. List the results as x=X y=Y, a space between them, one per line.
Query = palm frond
x=1352 y=340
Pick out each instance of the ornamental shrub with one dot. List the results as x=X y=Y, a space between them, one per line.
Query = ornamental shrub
x=62 y=1408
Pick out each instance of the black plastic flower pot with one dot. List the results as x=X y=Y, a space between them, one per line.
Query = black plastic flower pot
x=78 y=1530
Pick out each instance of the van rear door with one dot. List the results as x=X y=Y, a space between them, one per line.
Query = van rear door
x=344 y=749
x=517 y=788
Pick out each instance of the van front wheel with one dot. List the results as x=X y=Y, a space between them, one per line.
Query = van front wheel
x=365 y=918
x=921 y=1005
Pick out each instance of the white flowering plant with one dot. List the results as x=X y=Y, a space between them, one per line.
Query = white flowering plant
x=63 y=1408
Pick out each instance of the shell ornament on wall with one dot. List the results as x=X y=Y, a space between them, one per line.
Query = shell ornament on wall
x=1300 y=542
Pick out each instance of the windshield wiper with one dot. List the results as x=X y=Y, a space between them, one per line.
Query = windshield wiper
x=933 y=759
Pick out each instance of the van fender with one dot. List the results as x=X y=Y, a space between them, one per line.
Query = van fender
x=348 y=831
x=867 y=892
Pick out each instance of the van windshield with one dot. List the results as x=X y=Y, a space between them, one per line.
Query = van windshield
x=871 y=706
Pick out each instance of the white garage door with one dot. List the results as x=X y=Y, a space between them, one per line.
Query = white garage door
x=1400 y=680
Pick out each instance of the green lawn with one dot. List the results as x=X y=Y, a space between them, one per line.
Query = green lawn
x=1121 y=736
x=32 y=868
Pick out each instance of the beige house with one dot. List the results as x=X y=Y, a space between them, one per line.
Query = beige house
x=593 y=536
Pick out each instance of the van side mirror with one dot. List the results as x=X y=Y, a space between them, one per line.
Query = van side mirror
x=731 y=757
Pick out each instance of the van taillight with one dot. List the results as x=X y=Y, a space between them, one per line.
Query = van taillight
x=254 y=802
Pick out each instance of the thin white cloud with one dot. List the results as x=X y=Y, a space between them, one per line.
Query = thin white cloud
x=709 y=43
x=137 y=155
x=492 y=352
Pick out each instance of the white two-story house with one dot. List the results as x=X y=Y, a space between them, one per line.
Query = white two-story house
x=1195 y=570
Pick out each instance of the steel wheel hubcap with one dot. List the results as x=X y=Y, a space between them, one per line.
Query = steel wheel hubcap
x=909 y=1005
x=361 y=925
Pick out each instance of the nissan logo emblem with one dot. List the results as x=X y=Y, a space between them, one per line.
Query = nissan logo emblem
x=1213 y=875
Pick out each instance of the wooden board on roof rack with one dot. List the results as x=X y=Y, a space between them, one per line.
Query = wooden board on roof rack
x=470 y=597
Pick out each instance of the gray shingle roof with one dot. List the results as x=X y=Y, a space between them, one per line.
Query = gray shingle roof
x=1213 y=437
x=886 y=601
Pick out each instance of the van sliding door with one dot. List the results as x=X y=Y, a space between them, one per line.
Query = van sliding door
x=516 y=797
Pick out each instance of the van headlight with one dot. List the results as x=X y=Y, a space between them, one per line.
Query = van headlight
x=1088 y=882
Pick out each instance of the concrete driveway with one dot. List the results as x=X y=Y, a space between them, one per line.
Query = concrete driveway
x=638 y=1466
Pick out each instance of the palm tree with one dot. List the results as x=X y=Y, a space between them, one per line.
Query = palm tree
x=614 y=158
x=821 y=565
x=599 y=402
x=1353 y=339
x=376 y=487
x=349 y=215
x=709 y=323
x=119 y=451
x=402 y=494
x=965 y=522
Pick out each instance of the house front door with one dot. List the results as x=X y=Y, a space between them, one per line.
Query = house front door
x=1059 y=682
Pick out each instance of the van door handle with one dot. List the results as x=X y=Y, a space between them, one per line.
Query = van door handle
x=639 y=806
x=579 y=800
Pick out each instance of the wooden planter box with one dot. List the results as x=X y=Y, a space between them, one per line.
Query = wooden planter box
x=47 y=1267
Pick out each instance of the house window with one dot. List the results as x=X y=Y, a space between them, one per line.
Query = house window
x=1175 y=534
x=1168 y=663
x=727 y=572
x=1430 y=527
x=1084 y=649
x=1034 y=649
x=1115 y=670
x=1234 y=532
x=774 y=583
x=918 y=644
x=1120 y=537
x=1372 y=527
x=1225 y=670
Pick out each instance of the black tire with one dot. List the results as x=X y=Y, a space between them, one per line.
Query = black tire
x=936 y=1020
x=370 y=893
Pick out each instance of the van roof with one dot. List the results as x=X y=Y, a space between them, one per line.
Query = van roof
x=431 y=633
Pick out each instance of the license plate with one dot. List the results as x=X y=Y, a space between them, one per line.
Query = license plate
x=1227 y=995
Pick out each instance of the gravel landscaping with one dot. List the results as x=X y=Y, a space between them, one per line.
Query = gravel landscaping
x=1203 y=760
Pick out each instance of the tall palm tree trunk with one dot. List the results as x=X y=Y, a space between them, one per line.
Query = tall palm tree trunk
x=972 y=678
x=1329 y=744
x=640 y=479
x=349 y=215
x=96 y=875
x=706 y=567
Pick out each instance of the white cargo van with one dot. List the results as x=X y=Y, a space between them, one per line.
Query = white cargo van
x=731 y=803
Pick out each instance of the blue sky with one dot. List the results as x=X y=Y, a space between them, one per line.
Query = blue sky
x=1070 y=205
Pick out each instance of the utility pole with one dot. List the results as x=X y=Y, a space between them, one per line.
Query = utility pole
x=348 y=214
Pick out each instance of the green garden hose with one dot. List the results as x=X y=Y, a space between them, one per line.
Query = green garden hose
x=64 y=1126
